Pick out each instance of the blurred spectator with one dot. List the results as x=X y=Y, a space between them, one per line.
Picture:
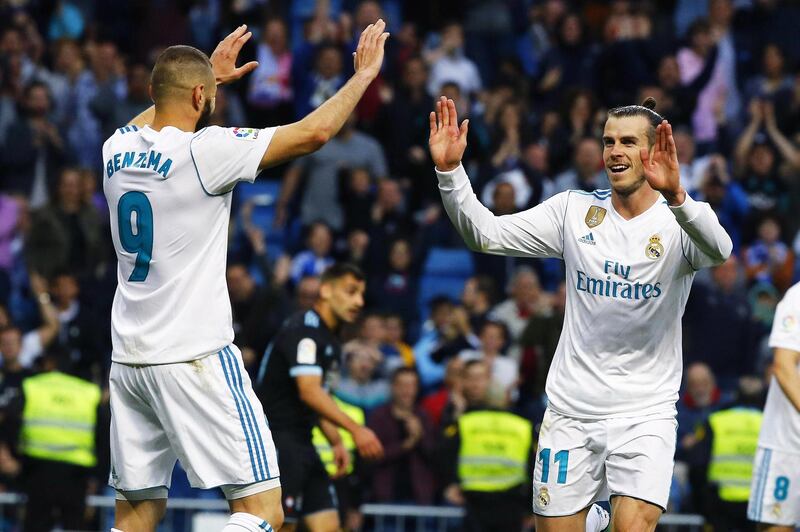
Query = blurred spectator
x=681 y=96
x=443 y=336
x=725 y=196
x=768 y=259
x=79 y=337
x=313 y=86
x=404 y=474
x=317 y=255
x=538 y=342
x=27 y=347
x=447 y=403
x=269 y=94
x=258 y=312
x=504 y=371
x=66 y=234
x=772 y=84
x=395 y=289
x=508 y=138
x=33 y=148
x=137 y=98
x=66 y=22
x=717 y=328
x=395 y=342
x=587 y=172
x=389 y=220
x=360 y=385
x=357 y=198
x=478 y=297
x=481 y=447
x=306 y=293
x=348 y=149
x=525 y=301
x=449 y=64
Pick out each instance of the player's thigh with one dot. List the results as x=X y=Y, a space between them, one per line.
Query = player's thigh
x=775 y=489
x=633 y=515
x=264 y=504
x=567 y=523
x=570 y=472
x=216 y=423
x=640 y=461
x=322 y=521
x=294 y=465
x=139 y=516
x=141 y=454
x=319 y=503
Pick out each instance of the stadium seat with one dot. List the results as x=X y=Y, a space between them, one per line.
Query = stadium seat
x=444 y=274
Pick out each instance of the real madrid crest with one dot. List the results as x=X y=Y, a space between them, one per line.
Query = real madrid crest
x=595 y=216
x=654 y=249
x=543 y=498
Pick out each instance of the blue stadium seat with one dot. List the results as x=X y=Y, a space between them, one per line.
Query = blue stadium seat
x=445 y=272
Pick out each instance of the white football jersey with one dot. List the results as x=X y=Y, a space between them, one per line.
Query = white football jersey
x=168 y=193
x=619 y=353
x=780 y=429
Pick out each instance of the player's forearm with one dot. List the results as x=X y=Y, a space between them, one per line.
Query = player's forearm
x=327 y=119
x=319 y=401
x=144 y=118
x=787 y=149
x=517 y=235
x=700 y=223
x=787 y=375
x=330 y=432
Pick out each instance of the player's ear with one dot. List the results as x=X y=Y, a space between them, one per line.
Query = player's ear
x=325 y=291
x=198 y=97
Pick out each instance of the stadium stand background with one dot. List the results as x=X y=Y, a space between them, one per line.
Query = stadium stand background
x=535 y=77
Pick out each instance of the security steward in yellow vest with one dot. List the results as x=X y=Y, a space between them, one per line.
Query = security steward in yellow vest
x=348 y=485
x=57 y=424
x=487 y=457
x=728 y=443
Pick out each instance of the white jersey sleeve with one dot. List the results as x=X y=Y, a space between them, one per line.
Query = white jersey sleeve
x=225 y=156
x=537 y=232
x=703 y=240
x=786 y=325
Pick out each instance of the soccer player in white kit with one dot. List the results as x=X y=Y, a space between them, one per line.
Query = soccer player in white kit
x=775 y=488
x=178 y=386
x=630 y=253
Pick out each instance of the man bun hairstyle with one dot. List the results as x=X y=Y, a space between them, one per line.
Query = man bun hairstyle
x=646 y=110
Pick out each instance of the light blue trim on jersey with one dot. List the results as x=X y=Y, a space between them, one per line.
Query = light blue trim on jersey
x=599 y=194
x=305 y=370
x=241 y=417
x=258 y=445
x=310 y=319
x=196 y=171
x=239 y=380
x=262 y=368
x=761 y=484
x=684 y=253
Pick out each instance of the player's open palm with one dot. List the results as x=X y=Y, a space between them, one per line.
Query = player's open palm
x=447 y=140
x=661 y=168
x=368 y=444
x=223 y=58
x=368 y=56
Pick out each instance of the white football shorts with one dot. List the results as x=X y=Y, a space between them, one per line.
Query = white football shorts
x=579 y=461
x=203 y=413
x=775 y=488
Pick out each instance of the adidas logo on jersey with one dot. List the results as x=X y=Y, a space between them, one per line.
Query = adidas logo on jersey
x=588 y=239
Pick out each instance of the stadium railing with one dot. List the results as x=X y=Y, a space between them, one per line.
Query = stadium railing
x=380 y=517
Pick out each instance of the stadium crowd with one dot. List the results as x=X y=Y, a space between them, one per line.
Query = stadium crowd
x=535 y=78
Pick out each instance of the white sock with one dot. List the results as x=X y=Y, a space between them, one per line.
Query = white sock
x=116 y=530
x=597 y=519
x=242 y=521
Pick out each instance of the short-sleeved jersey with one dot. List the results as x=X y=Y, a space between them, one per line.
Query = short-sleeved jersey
x=780 y=429
x=168 y=194
x=619 y=353
x=303 y=346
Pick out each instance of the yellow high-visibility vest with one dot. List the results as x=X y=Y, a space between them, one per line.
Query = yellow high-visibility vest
x=733 y=450
x=494 y=451
x=58 y=421
x=324 y=447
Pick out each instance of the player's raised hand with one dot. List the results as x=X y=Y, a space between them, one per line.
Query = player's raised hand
x=661 y=168
x=223 y=58
x=447 y=140
x=368 y=57
x=368 y=444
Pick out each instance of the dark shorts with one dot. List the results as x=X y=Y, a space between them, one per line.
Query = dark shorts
x=306 y=486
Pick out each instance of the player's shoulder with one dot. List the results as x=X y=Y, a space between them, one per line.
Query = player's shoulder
x=215 y=133
x=580 y=199
x=305 y=322
x=121 y=134
x=792 y=296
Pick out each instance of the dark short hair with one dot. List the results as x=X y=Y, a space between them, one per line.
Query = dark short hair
x=438 y=301
x=646 y=110
x=403 y=370
x=499 y=324
x=340 y=270
x=175 y=64
x=469 y=364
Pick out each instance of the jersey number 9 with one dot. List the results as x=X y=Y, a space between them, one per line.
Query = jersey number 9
x=136 y=232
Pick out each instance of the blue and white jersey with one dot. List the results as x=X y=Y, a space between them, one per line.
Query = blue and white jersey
x=168 y=193
x=619 y=353
x=780 y=429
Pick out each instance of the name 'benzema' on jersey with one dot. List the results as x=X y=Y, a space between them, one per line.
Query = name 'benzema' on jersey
x=628 y=282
